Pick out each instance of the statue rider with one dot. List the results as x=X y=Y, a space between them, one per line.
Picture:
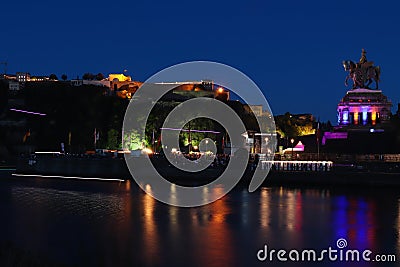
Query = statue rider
x=363 y=58
x=363 y=72
x=364 y=63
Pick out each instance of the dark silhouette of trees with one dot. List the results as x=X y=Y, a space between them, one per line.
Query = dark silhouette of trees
x=53 y=77
x=73 y=111
x=64 y=77
x=113 y=139
x=286 y=125
x=88 y=76
x=3 y=95
x=99 y=76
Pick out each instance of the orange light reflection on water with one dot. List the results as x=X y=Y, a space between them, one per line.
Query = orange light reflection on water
x=264 y=208
x=150 y=237
x=214 y=238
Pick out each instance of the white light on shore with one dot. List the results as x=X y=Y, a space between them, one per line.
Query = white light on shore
x=68 y=177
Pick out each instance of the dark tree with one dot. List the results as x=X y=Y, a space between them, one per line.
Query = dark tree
x=64 y=77
x=88 y=76
x=3 y=95
x=99 y=76
x=286 y=125
x=53 y=77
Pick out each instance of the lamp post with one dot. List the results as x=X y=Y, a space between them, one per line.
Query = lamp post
x=254 y=142
x=190 y=139
x=292 y=141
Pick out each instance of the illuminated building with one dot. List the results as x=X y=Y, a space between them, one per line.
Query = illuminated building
x=363 y=118
x=121 y=85
x=23 y=76
x=119 y=77
x=257 y=109
x=203 y=88
x=363 y=114
x=39 y=78
x=363 y=107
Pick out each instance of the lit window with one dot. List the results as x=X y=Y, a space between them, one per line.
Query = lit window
x=345 y=116
x=364 y=116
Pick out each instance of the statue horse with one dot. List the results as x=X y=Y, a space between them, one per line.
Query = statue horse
x=362 y=74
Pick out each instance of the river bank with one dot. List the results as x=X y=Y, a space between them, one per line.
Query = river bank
x=376 y=174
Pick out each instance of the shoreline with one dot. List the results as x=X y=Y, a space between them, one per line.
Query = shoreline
x=333 y=177
x=115 y=169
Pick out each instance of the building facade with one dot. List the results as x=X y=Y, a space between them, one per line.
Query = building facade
x=13 y=86
x=363 y=107
x=23 y=76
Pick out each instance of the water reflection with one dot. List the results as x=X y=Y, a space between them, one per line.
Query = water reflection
x=245 y=207
x=150 y=240
x=128 y=185
x=290 y=207
x=118 y=224
x=290 y=210
x=397 y=226
x=354 y=220
x=214 y=238
x=173 y=197
x=303 y=215
x=265 y=212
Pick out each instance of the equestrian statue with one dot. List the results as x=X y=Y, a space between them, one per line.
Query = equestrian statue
x=362 y=73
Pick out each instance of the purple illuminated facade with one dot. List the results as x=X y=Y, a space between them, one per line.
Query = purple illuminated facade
x=333 y=135
x=363 y=107
x=360 y=110
x=363 y=114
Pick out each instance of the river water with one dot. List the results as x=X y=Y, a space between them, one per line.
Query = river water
x=89 y=223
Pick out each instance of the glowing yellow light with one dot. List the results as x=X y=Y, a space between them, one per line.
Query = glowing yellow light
x=148 y=188
x=373 y=116
x=119 y=77
x=147 y=151
x=355 y=117
x=220 y=90
x=128 y=185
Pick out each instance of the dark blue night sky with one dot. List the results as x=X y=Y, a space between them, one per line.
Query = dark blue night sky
x=292 y=49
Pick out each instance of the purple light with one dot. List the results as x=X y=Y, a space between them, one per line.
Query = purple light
x=186 y=130
x=28 y=112
x=333 y=135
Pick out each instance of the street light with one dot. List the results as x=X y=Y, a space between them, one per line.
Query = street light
x=292 y=141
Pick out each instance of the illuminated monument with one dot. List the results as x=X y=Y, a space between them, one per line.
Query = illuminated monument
x=362 y=105
x=363 y=113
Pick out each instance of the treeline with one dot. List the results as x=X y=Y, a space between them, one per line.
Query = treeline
x=72 y=116
x=86 y=117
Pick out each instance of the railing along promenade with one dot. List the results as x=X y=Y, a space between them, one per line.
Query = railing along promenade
x=325 y=162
